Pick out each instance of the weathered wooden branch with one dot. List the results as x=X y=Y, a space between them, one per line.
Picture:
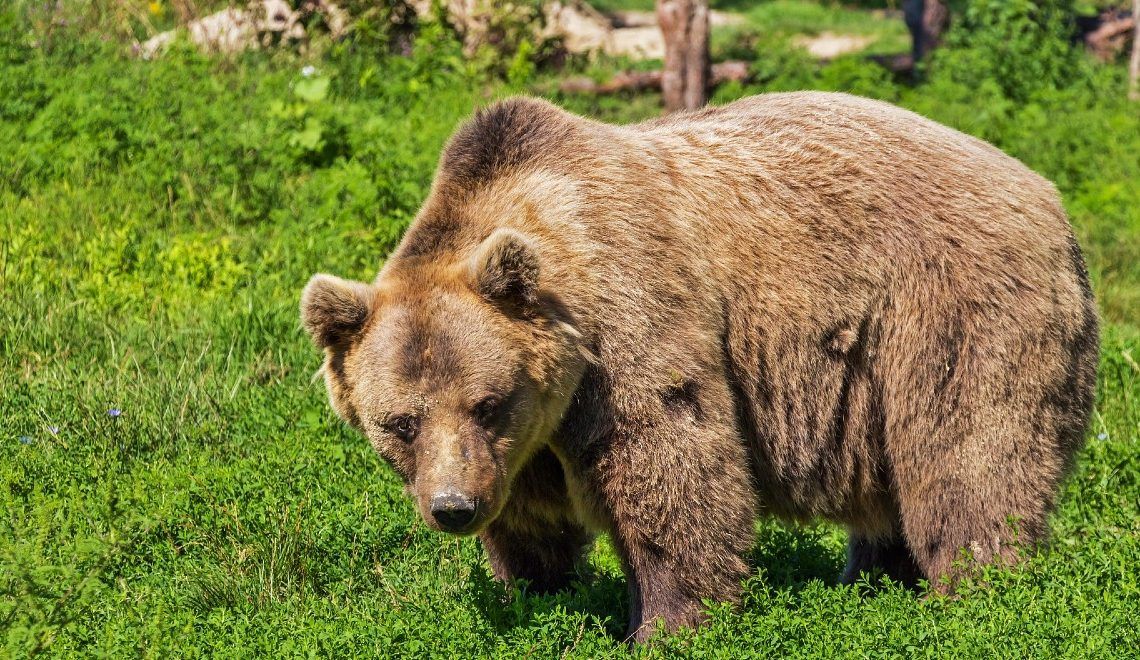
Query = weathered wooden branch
x=637 y=81
x=900 y=63
x=1110 y=36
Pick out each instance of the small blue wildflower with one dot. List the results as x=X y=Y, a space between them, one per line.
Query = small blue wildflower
x=1102 y=436
x=308 y=71
x=25 y=440
x=54 y=430
x=114 y=412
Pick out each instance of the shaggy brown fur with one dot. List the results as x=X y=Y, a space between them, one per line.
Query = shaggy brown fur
x=806 y=305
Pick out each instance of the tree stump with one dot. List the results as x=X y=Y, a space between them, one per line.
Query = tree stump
x=685 y=26
x=926 y=20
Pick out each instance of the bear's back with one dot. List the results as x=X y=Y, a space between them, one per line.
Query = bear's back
x=866 y=161
x=848 y=192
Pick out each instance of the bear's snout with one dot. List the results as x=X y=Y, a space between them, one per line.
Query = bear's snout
x=454 y=512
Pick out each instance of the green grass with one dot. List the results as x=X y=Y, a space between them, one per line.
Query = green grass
x=157 y=222
x=795 y=17
x=782 y=19
x=802 y=17
x=624 y=5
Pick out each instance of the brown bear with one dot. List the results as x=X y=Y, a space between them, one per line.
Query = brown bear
x=808 y=305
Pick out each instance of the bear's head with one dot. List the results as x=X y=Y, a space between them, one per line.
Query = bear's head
x=457 y=370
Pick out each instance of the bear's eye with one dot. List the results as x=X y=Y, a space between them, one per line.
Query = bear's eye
x=404 y=427
x=487 y=409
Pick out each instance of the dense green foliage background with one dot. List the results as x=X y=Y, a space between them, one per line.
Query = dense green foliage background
x=157 y=221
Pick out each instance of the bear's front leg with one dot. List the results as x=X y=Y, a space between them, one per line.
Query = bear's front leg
x=545 y=553
x=682 y=512
x=536 y=537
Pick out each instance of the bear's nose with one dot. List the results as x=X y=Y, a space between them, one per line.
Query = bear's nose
x=452 y=511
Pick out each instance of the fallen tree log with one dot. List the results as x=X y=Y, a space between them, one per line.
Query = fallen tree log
x=900 y=63
x=637 y=81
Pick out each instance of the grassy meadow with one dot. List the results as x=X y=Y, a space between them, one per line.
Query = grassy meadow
x=173 y=483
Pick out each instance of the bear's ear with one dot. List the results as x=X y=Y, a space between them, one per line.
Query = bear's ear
x=504 y=268
x=334 y=310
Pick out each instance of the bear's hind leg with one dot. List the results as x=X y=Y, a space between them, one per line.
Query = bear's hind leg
x=953 y=525
x=874 y=557
x=975 y=448
x=986 y=407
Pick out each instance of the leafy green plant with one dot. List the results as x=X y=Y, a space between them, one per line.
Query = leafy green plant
x=315 y=133
x=1022 y=46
